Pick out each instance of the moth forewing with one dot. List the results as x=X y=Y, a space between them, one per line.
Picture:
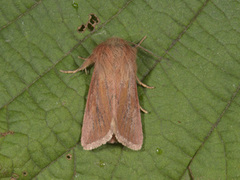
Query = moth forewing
x=112 y=112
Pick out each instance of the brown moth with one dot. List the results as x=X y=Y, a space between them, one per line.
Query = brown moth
x=112 y=112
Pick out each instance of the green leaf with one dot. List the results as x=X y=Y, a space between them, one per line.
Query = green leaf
x=192 y=60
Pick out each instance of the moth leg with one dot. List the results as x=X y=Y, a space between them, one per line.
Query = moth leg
x=144 y=85
x=85 y=59
x=85 y=71
x=72 y=72
x=87 y=62
x=143 y=110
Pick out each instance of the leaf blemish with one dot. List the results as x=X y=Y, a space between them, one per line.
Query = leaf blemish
x=102 y=164
x=6 y=133
x=69 y=156
x=159 y=151
x=90 y=26
x=75 y=5
x=25 y=173
x=14 y=176
x=92 y=22
x=93 y=19
x=82 y=28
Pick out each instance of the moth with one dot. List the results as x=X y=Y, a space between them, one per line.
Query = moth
x=112 y=112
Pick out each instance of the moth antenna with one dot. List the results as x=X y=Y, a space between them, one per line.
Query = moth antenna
x=138 y=46
x=141 y=41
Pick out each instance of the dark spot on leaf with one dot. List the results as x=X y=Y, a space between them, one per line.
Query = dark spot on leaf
x=93 y=19
x=69 y=156
x=82 y=28
x=90 y=27
x=24 y=173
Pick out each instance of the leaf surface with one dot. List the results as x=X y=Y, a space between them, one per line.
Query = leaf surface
x=192 y=60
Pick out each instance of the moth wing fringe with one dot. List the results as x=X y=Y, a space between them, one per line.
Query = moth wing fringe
x=97 y=143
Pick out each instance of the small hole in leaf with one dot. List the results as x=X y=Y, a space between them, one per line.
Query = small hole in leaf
x=92 y=22
x=82 y=28
x=93 y=19
x=24 y=173
x=90 y=27
x=69 y=156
